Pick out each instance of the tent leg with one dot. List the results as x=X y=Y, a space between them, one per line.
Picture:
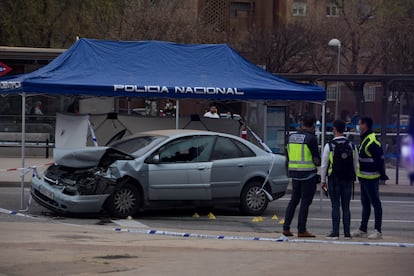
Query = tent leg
x=23 y=149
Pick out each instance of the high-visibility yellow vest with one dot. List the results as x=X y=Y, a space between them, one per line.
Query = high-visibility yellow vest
x=300 y=156
x=367 y=168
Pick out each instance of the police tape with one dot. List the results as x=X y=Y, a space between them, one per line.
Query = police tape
x=26 y=170
x=193 y=235
x=243 y=238
x=23 y=172
x=16 y=213
x=246 y=238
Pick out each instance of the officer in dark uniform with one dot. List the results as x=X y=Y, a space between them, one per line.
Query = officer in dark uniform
x=371 y=170
x=303 y=159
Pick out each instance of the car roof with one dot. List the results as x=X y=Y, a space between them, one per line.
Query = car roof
x=174 y=132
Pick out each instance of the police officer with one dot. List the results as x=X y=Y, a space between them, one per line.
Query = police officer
x=303 y=159
x=341 y=181
x=371 y=169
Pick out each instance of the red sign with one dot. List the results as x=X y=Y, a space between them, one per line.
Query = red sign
x=4 y=69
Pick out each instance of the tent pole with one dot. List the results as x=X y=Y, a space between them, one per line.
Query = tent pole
x=22 y=149
x=177 y=113
x=323 y=132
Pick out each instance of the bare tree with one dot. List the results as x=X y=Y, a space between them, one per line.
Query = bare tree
x=57 y=23
x=31 y=22
x=288 y=49
x=371 y=32
x=397 y=42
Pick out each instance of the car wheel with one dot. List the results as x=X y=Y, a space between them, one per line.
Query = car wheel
x=253 y=202
x=124 y=201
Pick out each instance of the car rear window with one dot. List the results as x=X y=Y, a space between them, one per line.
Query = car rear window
x=227 y=148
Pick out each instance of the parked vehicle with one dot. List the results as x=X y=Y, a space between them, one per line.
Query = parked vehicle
x=162 y=168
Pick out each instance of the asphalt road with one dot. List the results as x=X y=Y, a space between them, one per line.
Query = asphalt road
x=173 y=242
x=398 y=217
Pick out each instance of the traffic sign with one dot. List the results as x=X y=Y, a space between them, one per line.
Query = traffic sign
x=4 y=69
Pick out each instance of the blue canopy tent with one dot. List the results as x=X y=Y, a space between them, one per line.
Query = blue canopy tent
x=155 y=69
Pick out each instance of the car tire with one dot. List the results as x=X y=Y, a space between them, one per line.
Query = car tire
x=253 y=202
x=124 y=201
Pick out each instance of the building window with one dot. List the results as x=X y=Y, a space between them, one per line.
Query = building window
x=299 y=8
x=366 y=10
x=332 y=9
x=214 y=14
x=369 y=93
x=237 y=8
x=331 y=93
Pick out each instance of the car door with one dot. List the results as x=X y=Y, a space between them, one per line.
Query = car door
x=183 y=171
x=232 y=162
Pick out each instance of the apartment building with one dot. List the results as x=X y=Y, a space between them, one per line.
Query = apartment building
x=354 y=26
x=239 y=18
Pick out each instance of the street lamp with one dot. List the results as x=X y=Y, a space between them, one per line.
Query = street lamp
x=336 y=43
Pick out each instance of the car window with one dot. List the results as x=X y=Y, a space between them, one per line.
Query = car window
x=227 y=148
x=246 y=151
x=137 y=145
x=187 y=149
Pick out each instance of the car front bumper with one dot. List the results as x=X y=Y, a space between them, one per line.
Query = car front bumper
x=54 y=199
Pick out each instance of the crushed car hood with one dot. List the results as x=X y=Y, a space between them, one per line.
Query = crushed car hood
x=79 y=158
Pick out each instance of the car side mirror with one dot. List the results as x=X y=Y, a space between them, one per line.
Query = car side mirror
x=155 y=159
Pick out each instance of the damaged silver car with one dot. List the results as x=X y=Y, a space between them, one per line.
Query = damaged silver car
x=160 y=169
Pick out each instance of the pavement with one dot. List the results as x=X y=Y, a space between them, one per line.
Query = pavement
x=45 y=247
x=96 y=249
x=11 y=169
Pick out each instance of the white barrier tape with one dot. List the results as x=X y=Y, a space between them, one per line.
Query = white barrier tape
x=190 y=235
x=26 y=170
x=28 y=204
x=281 y=239
x=267 y=149
x=223 y=237
x=15 y=213
x=95 y=142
